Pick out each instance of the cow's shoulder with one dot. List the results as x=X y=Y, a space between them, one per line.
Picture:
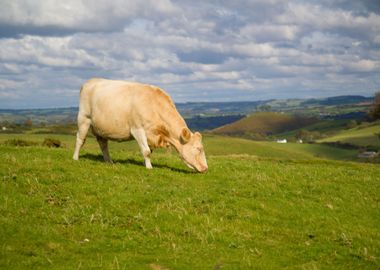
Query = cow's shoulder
x=160 y=94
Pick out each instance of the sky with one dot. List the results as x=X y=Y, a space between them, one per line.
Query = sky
x=218 y=50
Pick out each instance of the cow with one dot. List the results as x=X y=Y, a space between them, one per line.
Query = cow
x=122 y=110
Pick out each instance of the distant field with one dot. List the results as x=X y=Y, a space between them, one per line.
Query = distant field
x=361 y=136
x=262 y=205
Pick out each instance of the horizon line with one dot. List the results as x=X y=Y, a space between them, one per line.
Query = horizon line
x=190 y=102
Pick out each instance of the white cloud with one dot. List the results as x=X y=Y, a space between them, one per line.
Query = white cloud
x=363 y=65
x=255 y=50
x=47 y=51
x=269 y=32
x=320 y=18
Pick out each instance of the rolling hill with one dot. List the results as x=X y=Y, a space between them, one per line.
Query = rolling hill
x=264 y=123
x=367 y=135
x=338 y=100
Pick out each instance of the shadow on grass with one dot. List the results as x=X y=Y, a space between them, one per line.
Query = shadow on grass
x=135 y=162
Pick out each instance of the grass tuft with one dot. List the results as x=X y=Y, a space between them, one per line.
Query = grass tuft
x=19 y=142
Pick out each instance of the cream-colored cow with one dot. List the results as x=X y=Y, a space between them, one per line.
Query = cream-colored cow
x=120 y=110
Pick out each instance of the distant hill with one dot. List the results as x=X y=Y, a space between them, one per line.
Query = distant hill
x=332 y=107
x=209 y=115
x=39 y=116
x=207 y=123
x=265 y=123
x=338 y=100
x=190 y=109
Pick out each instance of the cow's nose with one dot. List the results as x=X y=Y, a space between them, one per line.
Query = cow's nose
x=204 y=170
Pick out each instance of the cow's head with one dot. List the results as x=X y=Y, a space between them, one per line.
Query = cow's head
x=192 y=152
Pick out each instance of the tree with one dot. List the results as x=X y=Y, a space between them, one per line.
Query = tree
x=308 y=136
x=352 y=124
x=375 y=110
x=265 y=108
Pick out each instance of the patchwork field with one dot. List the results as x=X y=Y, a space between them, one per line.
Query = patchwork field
x=261 y=206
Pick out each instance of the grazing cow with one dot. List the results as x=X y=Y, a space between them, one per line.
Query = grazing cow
x=120 y=110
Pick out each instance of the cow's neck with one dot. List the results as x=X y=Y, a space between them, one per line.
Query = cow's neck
x=176 y=144
x=174 y=124
x=175 y=134
x=174 y=140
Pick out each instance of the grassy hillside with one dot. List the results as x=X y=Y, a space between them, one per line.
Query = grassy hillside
x=234 y=146
x=264 y=123
x=325 y=127
x=261 y=206
x=367 y=136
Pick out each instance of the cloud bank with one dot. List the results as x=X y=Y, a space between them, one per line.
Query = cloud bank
x=195 y=50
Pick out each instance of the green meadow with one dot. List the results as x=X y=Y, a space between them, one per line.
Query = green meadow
x=361 y=136
x=262 y=205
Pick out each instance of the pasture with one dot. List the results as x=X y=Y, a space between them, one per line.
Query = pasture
x=261 y=206
x=362 y=136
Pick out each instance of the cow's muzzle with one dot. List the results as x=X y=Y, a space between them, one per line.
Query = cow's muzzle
x=203 y=170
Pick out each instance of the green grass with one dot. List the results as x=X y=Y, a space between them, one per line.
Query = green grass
x=217 y=145
x=261 y=206
x=361 y=136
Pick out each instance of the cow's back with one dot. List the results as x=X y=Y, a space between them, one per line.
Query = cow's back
x=115 y=107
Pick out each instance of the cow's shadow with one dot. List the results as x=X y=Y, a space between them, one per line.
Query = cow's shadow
x=134 y=162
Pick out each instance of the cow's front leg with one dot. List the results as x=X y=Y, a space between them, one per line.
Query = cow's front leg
x=147 y=162
x=140 y=137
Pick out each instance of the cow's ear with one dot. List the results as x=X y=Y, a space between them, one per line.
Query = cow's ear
x=185 y=135
x=198 y=135
x=161 y=142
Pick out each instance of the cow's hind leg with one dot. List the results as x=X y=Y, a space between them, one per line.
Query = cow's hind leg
x=140 y=137
x=83 y=126
x=103 y=143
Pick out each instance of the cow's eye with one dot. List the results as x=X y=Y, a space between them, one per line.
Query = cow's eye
x=199 y=149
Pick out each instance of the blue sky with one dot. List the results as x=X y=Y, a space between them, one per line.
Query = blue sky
x=195 y=50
